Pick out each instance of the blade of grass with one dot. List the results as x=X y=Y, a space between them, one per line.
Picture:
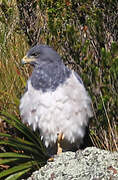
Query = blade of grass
x=18 y=168
x=15 y=176
x=17 y=139
x=21 y=147
x=13 y=155
x=6 y=161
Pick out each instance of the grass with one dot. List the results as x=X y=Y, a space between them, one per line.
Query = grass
x=23 y=152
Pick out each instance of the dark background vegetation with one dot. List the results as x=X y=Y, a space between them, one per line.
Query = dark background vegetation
x=85 y=34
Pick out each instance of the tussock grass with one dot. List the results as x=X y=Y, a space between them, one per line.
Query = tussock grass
x=12 y=73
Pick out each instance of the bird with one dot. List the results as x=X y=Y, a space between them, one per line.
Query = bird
x=55 y=100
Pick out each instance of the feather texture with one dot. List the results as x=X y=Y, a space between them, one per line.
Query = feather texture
x=66 y=110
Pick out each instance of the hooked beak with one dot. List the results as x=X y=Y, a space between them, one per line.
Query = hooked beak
x=27 y=60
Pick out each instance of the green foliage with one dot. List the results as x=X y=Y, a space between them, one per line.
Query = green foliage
x=28 y=153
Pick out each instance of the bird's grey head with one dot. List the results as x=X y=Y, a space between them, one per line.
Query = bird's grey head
x=41 y=54
x=49 y=71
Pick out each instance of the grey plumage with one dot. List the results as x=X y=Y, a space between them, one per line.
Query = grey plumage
x=49 y=71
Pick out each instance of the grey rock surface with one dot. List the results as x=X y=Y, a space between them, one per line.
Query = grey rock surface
x=89 y=164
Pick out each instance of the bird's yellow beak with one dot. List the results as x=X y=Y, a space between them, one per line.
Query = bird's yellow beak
x=27 y=60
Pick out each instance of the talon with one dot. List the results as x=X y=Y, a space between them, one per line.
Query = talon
x=51 y=159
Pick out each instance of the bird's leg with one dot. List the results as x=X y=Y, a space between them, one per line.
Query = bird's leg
x=59 y=139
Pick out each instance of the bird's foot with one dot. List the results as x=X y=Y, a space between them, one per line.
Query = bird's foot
x=51 y=159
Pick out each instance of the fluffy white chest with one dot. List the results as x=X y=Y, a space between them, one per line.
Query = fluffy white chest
x=65 y=110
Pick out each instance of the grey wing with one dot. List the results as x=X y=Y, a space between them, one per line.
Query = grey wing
x=78 y=77
x=26 y=88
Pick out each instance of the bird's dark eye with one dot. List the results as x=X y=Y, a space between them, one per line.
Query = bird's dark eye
x=34 y=54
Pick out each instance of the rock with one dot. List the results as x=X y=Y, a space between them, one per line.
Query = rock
x=88 y=164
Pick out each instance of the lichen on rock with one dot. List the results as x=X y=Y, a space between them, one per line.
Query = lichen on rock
x=88 y=164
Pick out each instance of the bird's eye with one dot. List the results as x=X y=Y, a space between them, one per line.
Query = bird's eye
x=34 y=54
